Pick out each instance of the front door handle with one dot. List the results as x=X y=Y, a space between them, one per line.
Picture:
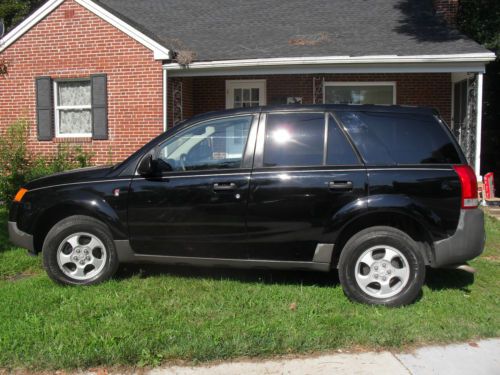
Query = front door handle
x=226 y=186
x=340 y=185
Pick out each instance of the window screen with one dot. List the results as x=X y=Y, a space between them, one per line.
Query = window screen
x=294 y=139
x=399 y=138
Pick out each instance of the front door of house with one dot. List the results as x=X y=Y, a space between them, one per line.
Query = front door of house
x=245 y=93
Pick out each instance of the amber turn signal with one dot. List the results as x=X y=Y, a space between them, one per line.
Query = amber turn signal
x=20 y=194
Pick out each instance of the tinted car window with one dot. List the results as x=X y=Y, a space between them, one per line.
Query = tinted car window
x=339 y=150
x=215 y=144
x=295 y=139
x=399 y=138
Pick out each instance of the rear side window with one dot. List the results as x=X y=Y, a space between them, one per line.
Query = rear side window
x=339 y=150
x=399 y=138
x=295 y=139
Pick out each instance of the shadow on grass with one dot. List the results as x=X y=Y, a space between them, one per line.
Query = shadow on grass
x=441 y=279
x=322 y=279
x=436 y=279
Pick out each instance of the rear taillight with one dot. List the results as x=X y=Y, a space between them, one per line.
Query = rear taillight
x=468 y=181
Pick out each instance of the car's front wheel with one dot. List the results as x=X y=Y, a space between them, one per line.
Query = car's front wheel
x=382 y=266
x=79 y=250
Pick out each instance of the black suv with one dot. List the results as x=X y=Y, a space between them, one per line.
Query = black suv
x=379 y=192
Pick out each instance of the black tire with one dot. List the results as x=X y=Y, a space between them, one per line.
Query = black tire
x=371 y=238
x=66 y=228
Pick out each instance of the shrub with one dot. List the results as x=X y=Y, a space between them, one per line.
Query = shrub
x=15 y=164
x=20 y=166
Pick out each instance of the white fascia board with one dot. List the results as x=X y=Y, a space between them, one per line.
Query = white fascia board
x=28 y=23
x=337 y=60
x=476 y=67
x=159 y=51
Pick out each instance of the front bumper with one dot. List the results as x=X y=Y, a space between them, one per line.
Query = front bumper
x=20 y=238
x=467 y=242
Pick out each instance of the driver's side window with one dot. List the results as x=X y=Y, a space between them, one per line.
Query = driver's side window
x=215 y=144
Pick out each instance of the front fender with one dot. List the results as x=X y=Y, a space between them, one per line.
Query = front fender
x=47 y=206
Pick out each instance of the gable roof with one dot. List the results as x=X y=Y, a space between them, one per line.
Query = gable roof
x=159 y=50
x=256 y=29
x=295 y=31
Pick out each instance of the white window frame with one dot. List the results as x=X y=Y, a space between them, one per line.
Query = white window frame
x=58 y=108
x=362 y=83
x=231 y=85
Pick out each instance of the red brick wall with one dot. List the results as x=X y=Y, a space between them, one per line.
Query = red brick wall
x=420 y=89
x=73 y=43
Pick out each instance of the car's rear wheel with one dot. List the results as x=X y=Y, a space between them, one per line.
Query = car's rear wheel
x=382 y=266
x=79 y=250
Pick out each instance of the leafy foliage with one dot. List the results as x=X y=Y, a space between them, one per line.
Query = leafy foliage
x=14 y=11
x=480 y=20
x=20 y=165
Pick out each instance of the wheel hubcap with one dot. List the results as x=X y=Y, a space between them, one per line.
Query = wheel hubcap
x=81 y=256
x=382 y=271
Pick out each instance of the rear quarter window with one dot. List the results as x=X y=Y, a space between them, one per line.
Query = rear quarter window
x=399 y=138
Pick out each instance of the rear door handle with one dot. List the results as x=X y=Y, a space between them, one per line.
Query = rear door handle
x=226 y=186
x=340 y=185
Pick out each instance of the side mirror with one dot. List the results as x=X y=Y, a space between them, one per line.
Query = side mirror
x=146 y=167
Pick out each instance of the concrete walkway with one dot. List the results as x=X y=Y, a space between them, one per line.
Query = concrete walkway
x=481 y=358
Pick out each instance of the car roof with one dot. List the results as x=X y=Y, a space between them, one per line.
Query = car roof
x=317 y=108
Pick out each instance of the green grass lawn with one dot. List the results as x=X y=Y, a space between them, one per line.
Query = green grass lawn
x=154 y=315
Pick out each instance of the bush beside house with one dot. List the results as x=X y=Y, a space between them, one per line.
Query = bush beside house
x=21 y=165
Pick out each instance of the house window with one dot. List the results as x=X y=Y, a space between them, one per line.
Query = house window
x=359 y=93
x=73 y=109
x=245 y=93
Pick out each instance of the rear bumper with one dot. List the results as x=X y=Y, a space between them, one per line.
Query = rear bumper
x=20 y=238
x=467 y=242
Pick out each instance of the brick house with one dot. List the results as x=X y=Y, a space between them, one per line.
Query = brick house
x=112 y=74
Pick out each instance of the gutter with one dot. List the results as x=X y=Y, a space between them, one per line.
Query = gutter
x=334 y=60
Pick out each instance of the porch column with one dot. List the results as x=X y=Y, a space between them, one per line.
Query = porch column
x=479 y=113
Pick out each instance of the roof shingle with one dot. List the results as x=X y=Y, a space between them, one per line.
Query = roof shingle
x=235 y=29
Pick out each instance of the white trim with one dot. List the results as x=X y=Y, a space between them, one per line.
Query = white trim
x=159 y=51
x=479 y=115
x=58 y=108
x=290 y=61
x=362 y=83
x=472 y=67
x=165 y=100
x=260 y=84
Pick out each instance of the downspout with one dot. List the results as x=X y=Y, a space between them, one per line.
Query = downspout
x=479 y=113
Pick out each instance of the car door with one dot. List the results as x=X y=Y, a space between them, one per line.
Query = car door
x=196 y=205
x=305 y=171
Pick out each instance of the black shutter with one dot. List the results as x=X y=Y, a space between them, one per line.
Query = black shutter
x=44 y=109
x=99 y=106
